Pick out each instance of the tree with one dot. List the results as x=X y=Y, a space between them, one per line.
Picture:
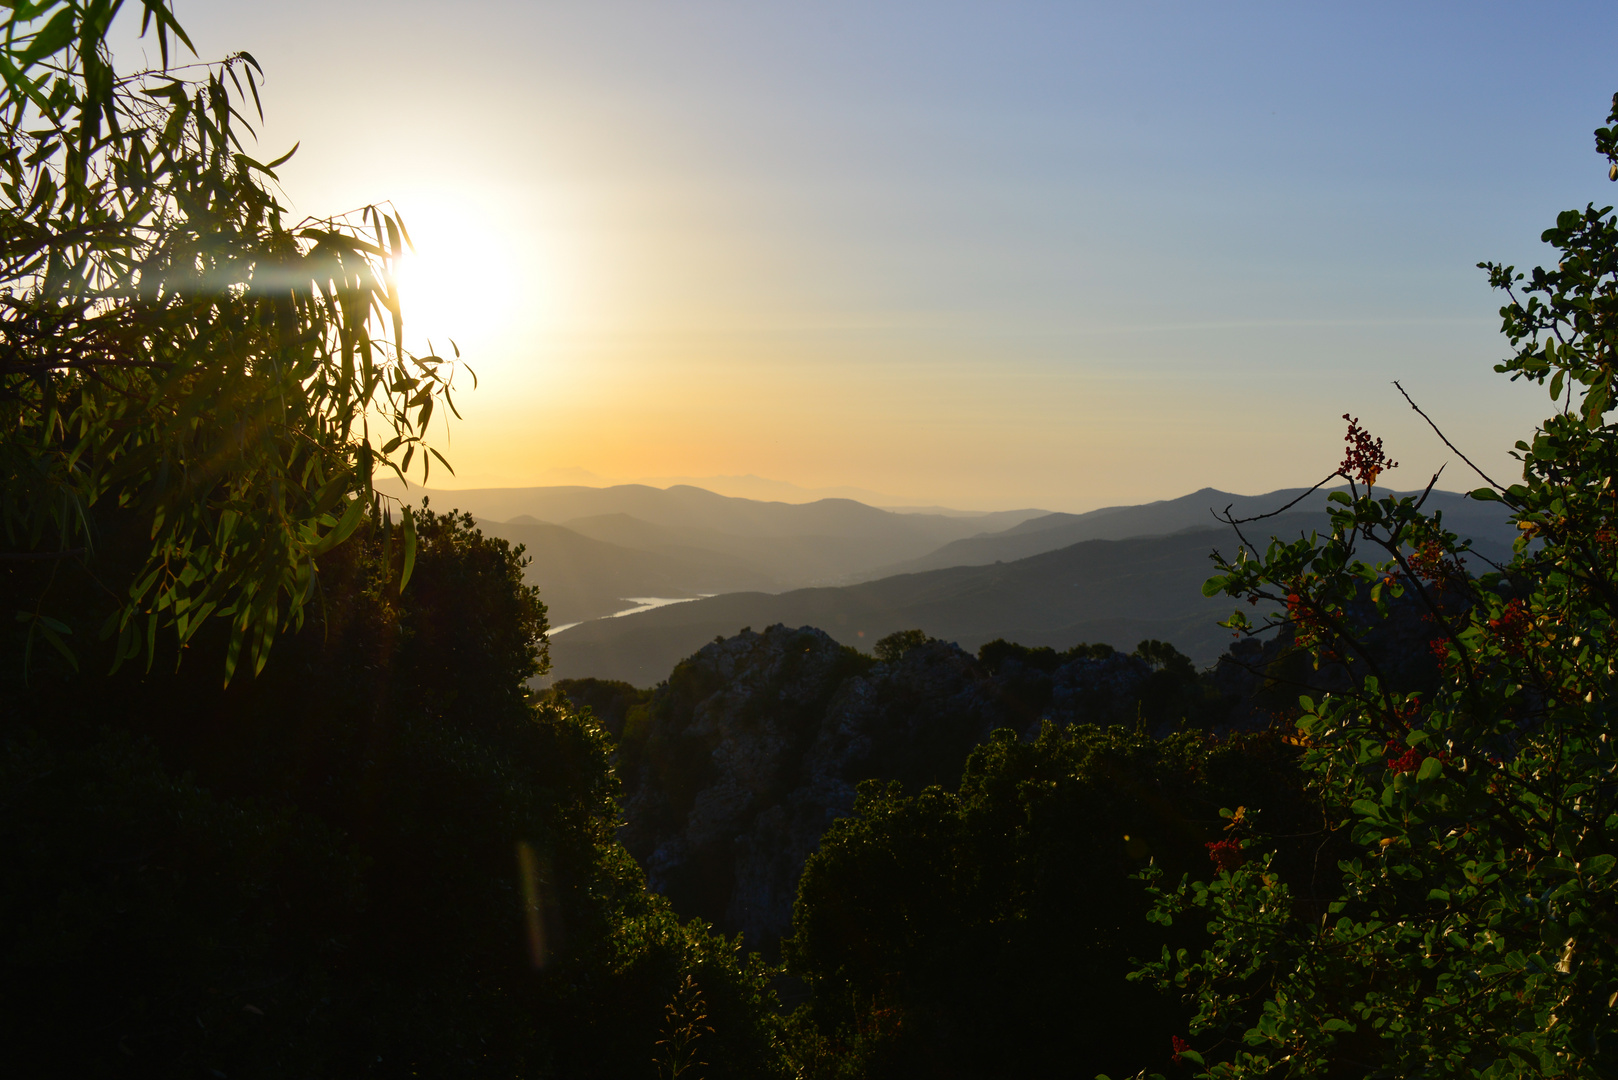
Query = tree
x=1470 y=927
x=893 y=647
x=179 y=364
x=988 y=931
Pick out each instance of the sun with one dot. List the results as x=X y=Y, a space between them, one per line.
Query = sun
x=463 y=280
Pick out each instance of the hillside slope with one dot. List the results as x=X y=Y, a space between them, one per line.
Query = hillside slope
x=581 y=578
x=1483 y=522
x=1113 y=591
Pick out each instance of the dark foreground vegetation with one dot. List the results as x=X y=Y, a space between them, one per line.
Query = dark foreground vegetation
x=275 y=799
x=316 y=872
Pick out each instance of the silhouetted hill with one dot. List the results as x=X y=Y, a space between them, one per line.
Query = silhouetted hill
x=1117 y=591
x=690 y=507
x=1483 y=522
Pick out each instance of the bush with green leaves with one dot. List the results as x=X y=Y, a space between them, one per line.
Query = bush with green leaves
x=989 y=931
x=1465 y=920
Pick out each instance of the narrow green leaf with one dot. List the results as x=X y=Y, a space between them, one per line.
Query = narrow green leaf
x=284 y=158
x=58 y=33
x=60 y=646
x=352 y=516
x=233 y=651
x=408 y=520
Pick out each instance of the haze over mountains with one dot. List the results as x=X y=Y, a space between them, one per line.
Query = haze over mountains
x=1482 y=522
x=1116 y=591
x=746 y=486
x=1118 y=574
x=592 y=547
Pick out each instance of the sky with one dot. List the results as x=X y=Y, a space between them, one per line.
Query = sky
x=985 y=255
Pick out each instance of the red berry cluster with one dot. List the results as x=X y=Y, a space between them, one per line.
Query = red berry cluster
x=1179 y=1046
x=1308 y=627
x=1411 y=758
x=1225 y=854
x=1364 y=460
x=1432 y=562
x=1512 y=628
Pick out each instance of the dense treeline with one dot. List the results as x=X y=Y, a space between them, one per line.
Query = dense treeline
x=734 y=766
x=974 y=909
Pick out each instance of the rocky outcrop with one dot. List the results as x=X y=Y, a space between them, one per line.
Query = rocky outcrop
x=757 y=742
x=714 y=778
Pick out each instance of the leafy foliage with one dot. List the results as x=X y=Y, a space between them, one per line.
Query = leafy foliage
x=173 y=350
x=1471 y=927
x=988 y=931
x=335 y=844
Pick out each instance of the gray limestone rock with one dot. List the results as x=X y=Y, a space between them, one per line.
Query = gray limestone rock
x=757 y=742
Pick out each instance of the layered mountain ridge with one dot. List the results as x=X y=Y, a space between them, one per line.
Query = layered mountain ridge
x=1119 y=574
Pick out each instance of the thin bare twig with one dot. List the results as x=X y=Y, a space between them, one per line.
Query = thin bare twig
x=1437 y=431
x=1228 y=520
x=1430 y=485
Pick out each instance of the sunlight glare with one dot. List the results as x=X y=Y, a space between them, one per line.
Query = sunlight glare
x=463 y=281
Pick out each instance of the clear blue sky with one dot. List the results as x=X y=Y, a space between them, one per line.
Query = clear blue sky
x=1058 y=254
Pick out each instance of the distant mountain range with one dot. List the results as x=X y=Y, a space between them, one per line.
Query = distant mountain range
x=1114 y=591
x=746 y=486
x=686 y=507
x=1119 y=574
x=581 y=577
x=1482 y=522
x=1033 y=583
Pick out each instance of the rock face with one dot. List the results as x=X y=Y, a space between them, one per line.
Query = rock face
x=756 y=743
